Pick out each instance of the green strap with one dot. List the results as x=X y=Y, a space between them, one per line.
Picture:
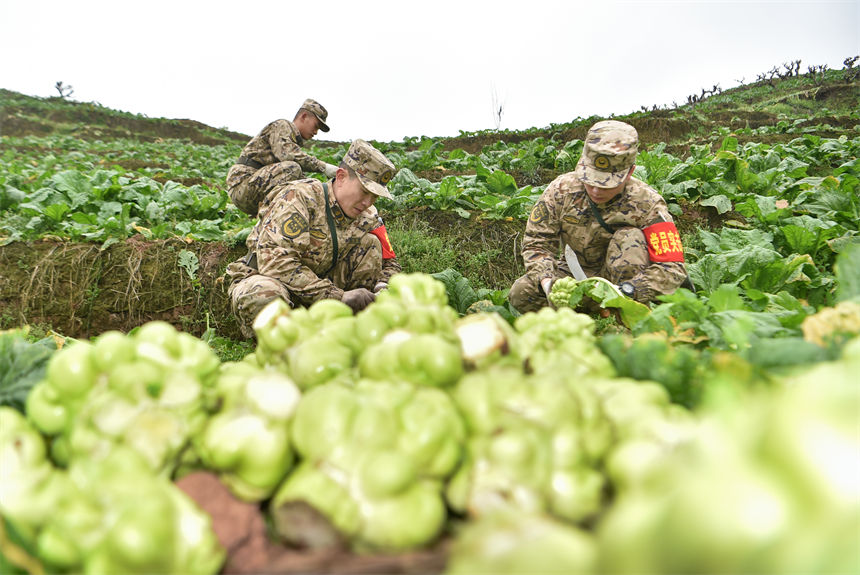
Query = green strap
x=596 y=213
x=332 y=229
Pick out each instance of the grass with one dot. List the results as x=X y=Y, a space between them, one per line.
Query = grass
x=418 y=249
x=228 y=349
x=430 y=242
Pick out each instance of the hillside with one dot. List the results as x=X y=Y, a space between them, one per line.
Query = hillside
x=828 y=99
x=438 y=430
x=64 y=280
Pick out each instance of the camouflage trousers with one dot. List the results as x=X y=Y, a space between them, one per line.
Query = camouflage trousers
x=626 y=255
x=248 y=187
x=250 y=292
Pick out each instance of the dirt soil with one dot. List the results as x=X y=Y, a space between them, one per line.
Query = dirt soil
x=81 y=291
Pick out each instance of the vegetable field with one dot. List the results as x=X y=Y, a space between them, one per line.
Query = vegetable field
x=439 y=430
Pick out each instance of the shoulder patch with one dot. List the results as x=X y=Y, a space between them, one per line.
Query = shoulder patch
x=294 y=226
x=540 y=213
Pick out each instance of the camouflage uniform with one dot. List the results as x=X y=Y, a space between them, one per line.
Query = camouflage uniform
x=290 y=252
x=566 y=215
x=276 y=157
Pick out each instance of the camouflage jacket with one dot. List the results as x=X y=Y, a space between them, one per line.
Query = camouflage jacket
x=563 y=215
x=292 y=241
x=280 y=141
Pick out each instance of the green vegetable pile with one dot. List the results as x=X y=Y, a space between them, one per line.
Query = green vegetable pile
x=109 y=514
x=374 y=459
x=529 y=445
x=767 y=488
x=148 y=392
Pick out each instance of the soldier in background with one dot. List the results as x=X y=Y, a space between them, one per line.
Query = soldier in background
x=275 y=156
x=315 y=240
x=619 y=227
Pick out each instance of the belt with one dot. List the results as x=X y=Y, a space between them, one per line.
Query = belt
x=249 y=162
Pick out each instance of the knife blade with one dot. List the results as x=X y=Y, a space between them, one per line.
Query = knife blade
x=573 y=263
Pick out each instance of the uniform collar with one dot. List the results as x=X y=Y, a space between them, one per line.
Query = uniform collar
x=296 y=134
x=340 y=218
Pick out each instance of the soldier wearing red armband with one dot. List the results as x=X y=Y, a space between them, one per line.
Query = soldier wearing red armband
x=315 y=240
x=616 y=226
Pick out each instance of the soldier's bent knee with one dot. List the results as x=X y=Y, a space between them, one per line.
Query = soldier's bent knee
x=526 y=295
x=626 y=255
x=250 y=295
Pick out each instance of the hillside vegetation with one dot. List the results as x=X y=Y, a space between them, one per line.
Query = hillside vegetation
x=460 y=202
x=438 y=430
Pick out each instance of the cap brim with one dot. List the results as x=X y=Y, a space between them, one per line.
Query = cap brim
x=374 y=187
x=598 y=178
x=322 y=125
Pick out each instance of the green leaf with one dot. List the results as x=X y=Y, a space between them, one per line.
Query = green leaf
x=847 y=269
x=720 y=202
x=709 y=273
x=10 y=196
x=22 y=365
x=730 y=143
x=190 y=263
x=726 y=297
x=481 y=171
x=787 y=309
x=784 y=353
x=82 y=218
x=735 y=329
x=775 y=275
x=800 y=239
x=75 y=186
x=735 y=239
x=501 y=183
x=607 y=295
x=793 y=168
x=57 y=211
x=460 y=292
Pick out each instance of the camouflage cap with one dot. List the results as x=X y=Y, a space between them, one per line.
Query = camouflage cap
x=609 y=152
x=317 y=110
x=373 y=169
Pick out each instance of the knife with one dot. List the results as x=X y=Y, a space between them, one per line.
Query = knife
x=573 y=263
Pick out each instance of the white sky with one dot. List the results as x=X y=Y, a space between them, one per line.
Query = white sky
x=390 y=69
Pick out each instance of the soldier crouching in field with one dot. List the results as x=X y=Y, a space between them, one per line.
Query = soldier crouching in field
x=618 y=227
x=275 y=156
x=316 y=240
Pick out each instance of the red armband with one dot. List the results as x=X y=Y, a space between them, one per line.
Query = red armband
x=387 y=252
x=664 y=242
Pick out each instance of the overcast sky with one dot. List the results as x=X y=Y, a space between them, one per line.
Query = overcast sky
x=390 y=69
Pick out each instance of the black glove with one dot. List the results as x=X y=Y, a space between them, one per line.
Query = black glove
x=358 y=299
